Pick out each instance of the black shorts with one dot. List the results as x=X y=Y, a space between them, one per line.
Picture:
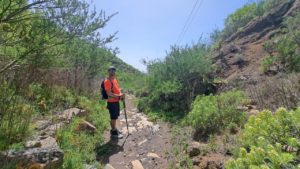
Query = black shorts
x=114 y=110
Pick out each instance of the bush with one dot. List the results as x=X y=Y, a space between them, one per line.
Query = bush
x=46 y=99
x=262 y=156
x=241 y=17
x=266 y=63
x=211 y=114
x=265 y=136
x=80 y=147
x=284 y=49
x=175 y=81
x=277 y=128
x=277 y=91
x=15 y=117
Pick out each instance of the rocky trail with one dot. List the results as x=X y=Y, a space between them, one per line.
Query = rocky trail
x=147 y=145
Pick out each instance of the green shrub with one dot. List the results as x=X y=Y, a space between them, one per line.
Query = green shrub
x=241 y=17
x=62 y=97
x=262 y=156
x=284 y=49
x=15 y=117
x=79 y=146
x=266 y=63
x=211 y=114
x=175 y=81
x=238 y=19
x=46 y=99
x=265 y=137
x=277 y=128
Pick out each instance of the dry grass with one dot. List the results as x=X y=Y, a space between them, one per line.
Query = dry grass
x=277 y=91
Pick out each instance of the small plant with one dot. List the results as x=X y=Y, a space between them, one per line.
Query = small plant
x=264 y=138
x=15 y=117
x=266 y=63
x=80 y=147
x=211 y=114
x=212 y=143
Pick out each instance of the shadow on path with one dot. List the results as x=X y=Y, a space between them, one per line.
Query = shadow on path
x=113 y=146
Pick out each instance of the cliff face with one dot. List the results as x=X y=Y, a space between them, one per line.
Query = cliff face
x=241 y=54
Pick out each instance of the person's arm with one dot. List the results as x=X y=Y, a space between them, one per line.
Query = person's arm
x=111 y=94
x=108 y=88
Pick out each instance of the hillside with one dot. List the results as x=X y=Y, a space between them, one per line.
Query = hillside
x=242 y=53
x=233 y=103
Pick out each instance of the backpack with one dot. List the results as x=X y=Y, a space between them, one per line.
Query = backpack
x=103 y=92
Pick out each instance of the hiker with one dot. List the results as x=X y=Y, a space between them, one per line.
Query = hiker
x=114 y=94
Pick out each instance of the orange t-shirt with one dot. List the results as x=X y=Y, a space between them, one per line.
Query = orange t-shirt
x=116 y=89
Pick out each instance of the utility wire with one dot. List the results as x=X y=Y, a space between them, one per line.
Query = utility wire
x=189 y=20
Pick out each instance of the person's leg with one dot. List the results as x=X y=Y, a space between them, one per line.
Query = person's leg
x=113 y=124
x=114 y=114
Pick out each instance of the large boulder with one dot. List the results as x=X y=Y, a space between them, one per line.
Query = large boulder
x=46 y=158
x=68 y=114
x=86 y=126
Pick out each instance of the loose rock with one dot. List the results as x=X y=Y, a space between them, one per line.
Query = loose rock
x=136 y=164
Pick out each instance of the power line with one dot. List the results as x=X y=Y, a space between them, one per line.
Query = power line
x=189 y=20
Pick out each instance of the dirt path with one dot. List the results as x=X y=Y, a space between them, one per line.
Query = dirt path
x=148 y=145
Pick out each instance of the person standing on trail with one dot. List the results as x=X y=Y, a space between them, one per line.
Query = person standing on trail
x=114 y=94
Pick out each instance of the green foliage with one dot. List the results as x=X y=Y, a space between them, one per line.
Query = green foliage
x=175 y=81
x=280 y=127
x=265 y=136
x=212 y=114
x=179 y=148
x=79 y=146
x=241 y=17
x=238 y=19
x=15 y=117
x=266 y=63
x=46 y=99
x=284 y=49
x=264 y=155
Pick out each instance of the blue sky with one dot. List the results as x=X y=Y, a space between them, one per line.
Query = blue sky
x=147 y=28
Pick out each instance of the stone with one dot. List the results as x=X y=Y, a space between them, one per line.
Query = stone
x=253 y=112
x=153 y=155
x=251 y=106
x=49 y=142
x=36 y=157
x=144 y=123
x=42 y=124
x=32 y=144
x=124 y=120
x=242 y=108
x=196 y=161
x=131 y=129
x=155 y=128
x=136 y=164
x=68 y=114
x=108 y=166
x=142 y=142
x=194 y=149
x=86 y=126
x=82 y=113
x=87 y=166
x=50 y=130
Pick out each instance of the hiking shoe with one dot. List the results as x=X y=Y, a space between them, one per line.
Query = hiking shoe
x=116 y=134
x=119 y=132
x=113 y=132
